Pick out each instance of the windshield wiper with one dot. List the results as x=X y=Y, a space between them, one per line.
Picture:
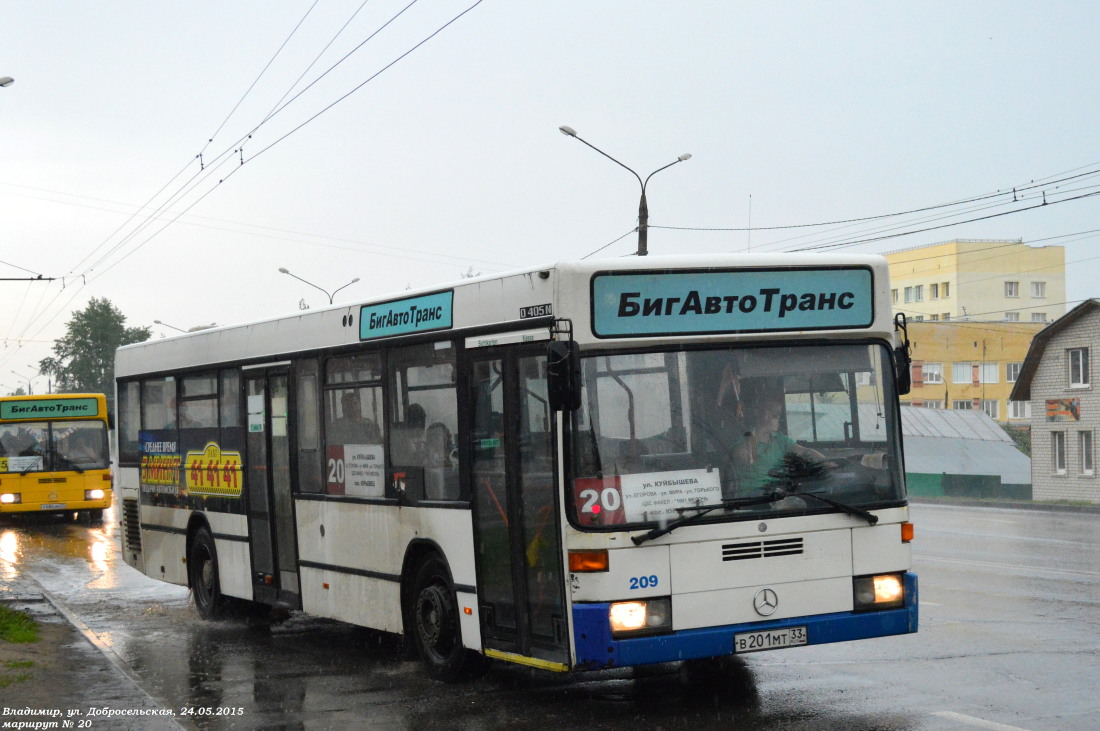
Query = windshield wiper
x=849 y=509
x=699 y=511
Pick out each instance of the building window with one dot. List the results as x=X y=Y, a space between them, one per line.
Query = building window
x=992 y=408
x=1038 y=317
x=933 y=373
x=1012 y=317
x=966 y=405
x=989 y=373
x=1038 y=289
x=1078 y=359
x=1012 y=371
x=1019 y=409
x=945 y=290
x=934 y=291
x=918 y=293
x=908 y=294
x=933 y=404
x=1058 y=452
x=934 y=318
x=894 y=296
x=1012 y=289
x=917 y=318
x=962 y=372
x=1085 y=439
x=946 y=316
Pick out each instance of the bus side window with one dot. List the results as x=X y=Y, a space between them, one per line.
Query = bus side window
x=308 y=428
x=129 y=422
x=423 y=419
x=158 y=407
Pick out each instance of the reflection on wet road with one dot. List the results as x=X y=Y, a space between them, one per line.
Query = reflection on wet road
x=1010 y=608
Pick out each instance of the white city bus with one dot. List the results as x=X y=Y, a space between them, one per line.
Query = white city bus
x=590 y=465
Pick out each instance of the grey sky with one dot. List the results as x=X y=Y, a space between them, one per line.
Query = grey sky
x=451 y=159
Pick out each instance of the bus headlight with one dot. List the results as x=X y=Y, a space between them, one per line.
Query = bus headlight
x=11 y=498
x=93 y=494
x=641 y=617
x=884 y=591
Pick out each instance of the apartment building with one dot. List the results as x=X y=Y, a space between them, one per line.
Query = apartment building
x=979 y=279
x=963 y=365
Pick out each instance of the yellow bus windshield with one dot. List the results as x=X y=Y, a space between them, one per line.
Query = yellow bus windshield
x=53 y=446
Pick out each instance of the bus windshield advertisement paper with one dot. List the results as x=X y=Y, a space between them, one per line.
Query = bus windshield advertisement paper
x=689 y=303
x=20 y=464
x=51 y=408
x=406 y=316
x=356 y=469
x=644 y=497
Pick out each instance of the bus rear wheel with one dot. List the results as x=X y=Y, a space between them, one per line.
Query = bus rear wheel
x=435 y=627
x=202 y=565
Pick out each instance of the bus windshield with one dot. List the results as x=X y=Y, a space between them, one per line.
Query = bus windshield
x=659 y=433
x=54 y=446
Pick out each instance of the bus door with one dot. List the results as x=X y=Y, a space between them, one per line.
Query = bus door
x=270 y=506
x=518 y=534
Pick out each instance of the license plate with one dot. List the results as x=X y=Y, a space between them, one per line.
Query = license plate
x=771 y=639
x=53 y=506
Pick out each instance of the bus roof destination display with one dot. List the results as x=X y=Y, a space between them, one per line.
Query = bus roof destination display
x=51 y=408
x=694 y=303
x=405 y=316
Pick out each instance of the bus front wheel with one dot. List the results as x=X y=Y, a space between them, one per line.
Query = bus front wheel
x=202 y=565
x=435 y=627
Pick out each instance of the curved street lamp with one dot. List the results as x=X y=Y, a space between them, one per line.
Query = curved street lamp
x=643 y=206
x=28 y=379
x=165 y=324
x=284 y=270
x=6 y=81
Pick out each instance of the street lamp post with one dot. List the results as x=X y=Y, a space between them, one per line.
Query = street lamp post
x=643 y=206
x=49 y=378
x=165 y=324
x=6 y=81
x=284 y=270
x=30 y=389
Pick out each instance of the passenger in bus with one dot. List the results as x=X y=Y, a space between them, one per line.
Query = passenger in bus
x=440 y=469
x=761 y=448
x=352 y=427
x=407 y=439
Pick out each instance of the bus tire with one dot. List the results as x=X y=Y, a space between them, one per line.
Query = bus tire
x=202 y=563
x=435 y=626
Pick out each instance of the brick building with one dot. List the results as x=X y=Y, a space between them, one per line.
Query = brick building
x=1056 y=377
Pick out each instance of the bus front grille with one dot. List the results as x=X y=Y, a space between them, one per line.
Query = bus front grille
x=131 y=517
x=762 y=549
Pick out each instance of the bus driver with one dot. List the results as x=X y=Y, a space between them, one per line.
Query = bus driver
x=759 y=450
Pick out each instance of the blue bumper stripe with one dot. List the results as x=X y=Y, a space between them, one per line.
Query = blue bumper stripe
x=597 y=649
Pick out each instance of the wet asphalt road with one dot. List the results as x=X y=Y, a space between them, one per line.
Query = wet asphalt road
x=1009 y=638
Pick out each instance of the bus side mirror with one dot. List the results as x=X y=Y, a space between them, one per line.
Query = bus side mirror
x=903 y=362
x=563 y=372
x=902 y=366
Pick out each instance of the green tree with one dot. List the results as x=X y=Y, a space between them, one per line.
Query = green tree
x=1021 y=435
x=84 y=359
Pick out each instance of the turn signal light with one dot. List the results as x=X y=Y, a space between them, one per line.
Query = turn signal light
x=587 y=561
x=906 y=532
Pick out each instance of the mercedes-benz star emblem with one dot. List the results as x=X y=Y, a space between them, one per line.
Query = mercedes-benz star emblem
x=765 y=602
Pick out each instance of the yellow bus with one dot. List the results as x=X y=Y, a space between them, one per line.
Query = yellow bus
x=54 y=455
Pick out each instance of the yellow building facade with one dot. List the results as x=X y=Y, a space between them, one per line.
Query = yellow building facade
x=970 y=365
x=979 y=279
